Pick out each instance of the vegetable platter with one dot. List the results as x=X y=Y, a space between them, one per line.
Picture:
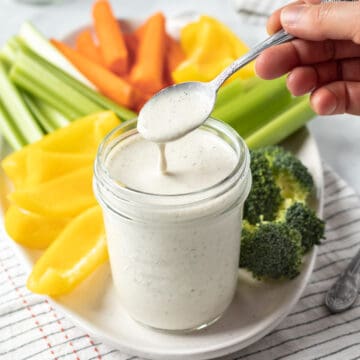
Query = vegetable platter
x=258 y=306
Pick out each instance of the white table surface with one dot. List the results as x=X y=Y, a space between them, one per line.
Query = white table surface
x=338 y=136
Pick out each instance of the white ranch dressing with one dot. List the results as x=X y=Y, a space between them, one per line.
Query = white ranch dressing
x=195 y=162
x=163 y=161
x=169 y=117
x=175 y=267
x=173 y=271
x=172 y=114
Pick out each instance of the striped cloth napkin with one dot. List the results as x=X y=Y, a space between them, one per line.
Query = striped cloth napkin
x=30 y=328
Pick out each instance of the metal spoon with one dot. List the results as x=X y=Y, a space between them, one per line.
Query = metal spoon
x=170 y=107
x=205 y=92
x=344 y=292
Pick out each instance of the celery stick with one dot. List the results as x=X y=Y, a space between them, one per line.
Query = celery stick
x=17 y=109
x=27 y=83
x=279 y=128
x=43 y=121
x=38 y=80
x=254 y=109
x=41 y=45
x=228 y=92
x=57 y=119
x=49 y=118
x=250 y=83
x=101 y=101
x=235 y=90
x=122 y=112
x=9 y=130
x=8 y=52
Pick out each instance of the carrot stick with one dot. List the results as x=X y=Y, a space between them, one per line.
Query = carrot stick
x=111 y=39
x=86 y=46
x=139 y=32
x=108 y=83
x=174 y=53
x=131 y=42
x=148 y=72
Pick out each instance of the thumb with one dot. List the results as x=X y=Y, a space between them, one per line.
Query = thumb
x=335 y=20
x=337 y=98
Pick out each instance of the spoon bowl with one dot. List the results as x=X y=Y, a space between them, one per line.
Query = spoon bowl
x=176 y=110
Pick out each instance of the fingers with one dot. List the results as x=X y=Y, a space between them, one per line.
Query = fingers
x=302 y=80
x=338 y=20
x=337 y=98
x=281 y=59
x=305 y=79
x=273 y=23
x=322 y=65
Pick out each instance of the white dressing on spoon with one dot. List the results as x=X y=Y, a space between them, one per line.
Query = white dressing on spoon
x=175 y=111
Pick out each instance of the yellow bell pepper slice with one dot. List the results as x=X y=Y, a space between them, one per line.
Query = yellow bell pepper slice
x=32 y=230
x=43 y=166
x=74 y=255
x=210 y=46
x=83 y=136
x=65 y=196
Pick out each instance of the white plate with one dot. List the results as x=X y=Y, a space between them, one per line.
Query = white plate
x=257 y=307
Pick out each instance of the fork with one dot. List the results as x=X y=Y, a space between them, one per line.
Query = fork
x=343 y=293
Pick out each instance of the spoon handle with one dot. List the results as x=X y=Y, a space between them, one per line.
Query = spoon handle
x=344 y=291
x=278 y=38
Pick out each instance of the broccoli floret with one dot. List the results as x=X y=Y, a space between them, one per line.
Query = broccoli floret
x=291 y=175
x=278 y=226
x=304 y=220
x=264 y=199
x=271 y=251
x=279 y=180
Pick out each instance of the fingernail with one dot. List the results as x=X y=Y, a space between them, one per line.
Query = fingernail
x=289 y=77
x=291 y=15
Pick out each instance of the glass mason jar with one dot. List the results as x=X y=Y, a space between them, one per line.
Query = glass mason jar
x=174 y=258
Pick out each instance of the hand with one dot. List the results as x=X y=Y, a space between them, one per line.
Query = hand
x=325 y=60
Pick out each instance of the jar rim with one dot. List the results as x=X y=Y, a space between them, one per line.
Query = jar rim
x=102 y=175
